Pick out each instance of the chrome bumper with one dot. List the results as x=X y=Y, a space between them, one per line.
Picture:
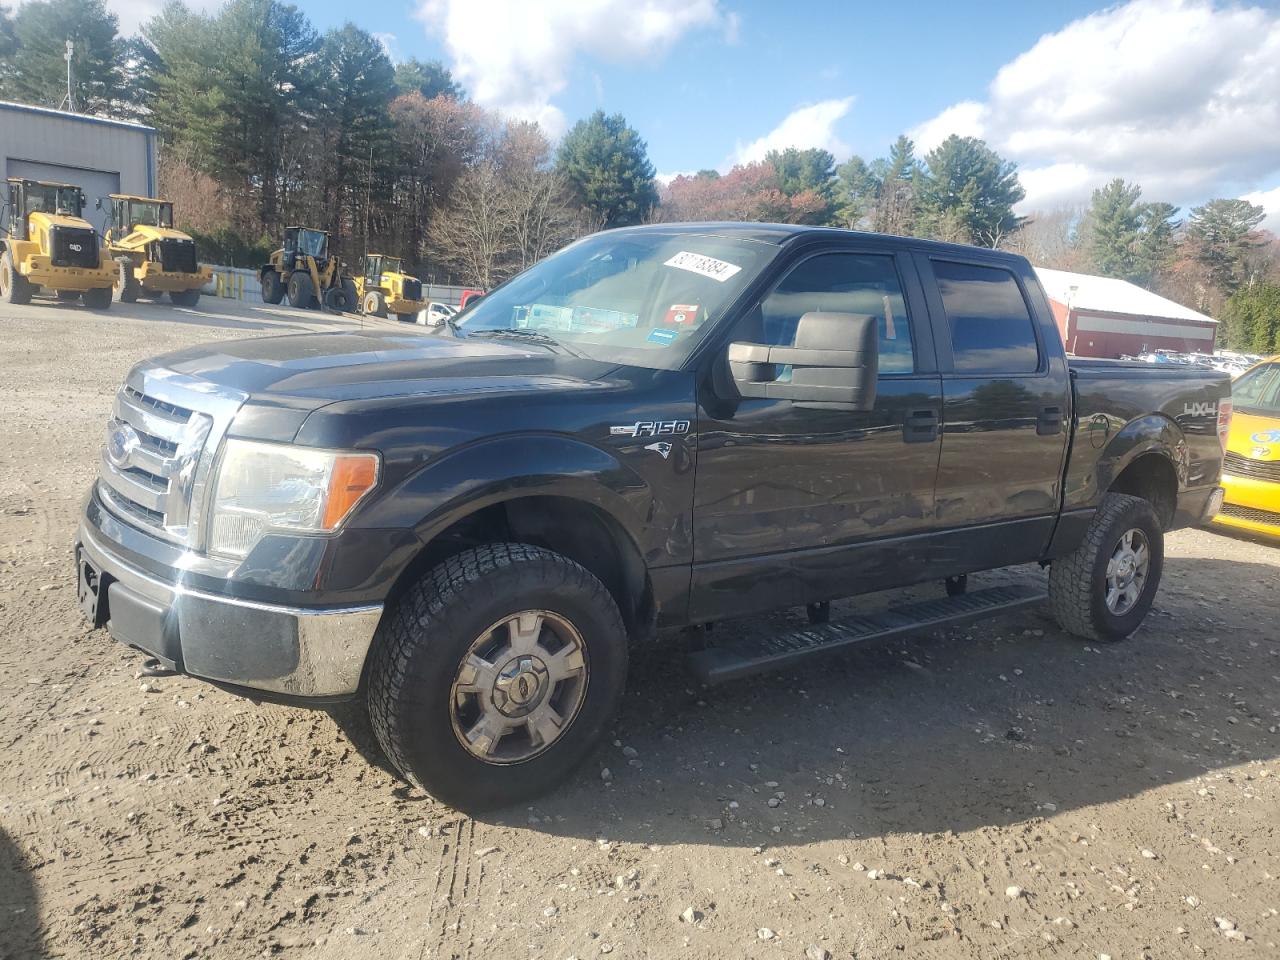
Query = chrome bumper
x=300 y=652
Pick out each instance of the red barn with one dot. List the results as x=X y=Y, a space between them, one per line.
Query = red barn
x=1101 y=317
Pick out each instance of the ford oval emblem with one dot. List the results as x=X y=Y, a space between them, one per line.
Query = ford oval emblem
x=122 y=440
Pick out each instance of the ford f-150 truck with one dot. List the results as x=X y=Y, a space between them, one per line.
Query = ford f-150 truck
x=656 y=427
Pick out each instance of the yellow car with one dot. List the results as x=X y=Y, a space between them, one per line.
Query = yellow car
x=1251 y=469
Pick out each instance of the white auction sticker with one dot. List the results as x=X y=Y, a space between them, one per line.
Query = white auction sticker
x=705 y=266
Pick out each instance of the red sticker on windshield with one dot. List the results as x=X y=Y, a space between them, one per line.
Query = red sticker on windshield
x=680 y=313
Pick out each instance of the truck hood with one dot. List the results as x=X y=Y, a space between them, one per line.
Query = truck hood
x=310 y=370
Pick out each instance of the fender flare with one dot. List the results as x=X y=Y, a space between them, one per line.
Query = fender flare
x=1152 y=433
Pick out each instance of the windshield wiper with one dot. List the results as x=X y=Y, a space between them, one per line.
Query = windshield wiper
x=528 y=336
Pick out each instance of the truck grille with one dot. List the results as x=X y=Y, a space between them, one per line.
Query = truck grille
x=1239 y=466
x=1252 y=514
x=74 y=247
x=148 y=460
x=177 y=256
x=413 y=289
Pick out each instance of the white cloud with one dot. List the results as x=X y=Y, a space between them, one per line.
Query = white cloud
x=1181 y=96
x=965 y=119
x=390 y=46
x=1269 y=200
x=809 y=126
x=132 y=14
x=515 y=56
x=666 y=178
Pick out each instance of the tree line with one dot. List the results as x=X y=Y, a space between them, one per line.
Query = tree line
x=267 y=122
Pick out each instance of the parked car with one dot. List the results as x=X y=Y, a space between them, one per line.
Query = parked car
x=1251 y=469
x=437 y=313
x=469 y=529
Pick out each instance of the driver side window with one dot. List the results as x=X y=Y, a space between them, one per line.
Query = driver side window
x=837 y=283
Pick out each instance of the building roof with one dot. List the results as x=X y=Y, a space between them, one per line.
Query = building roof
x=1083 y=291
x=83 y=117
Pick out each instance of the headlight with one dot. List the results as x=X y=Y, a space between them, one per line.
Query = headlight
x=273 y=486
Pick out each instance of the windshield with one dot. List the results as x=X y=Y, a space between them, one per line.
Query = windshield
x=1258 y=391
x=49 y=199
x=312 y=243
x=638 y=298
x=150 y=214
x=391 y=265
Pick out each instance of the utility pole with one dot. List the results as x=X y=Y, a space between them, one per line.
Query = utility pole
x=68 y=102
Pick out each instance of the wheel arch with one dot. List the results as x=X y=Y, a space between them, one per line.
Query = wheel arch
x=569 y=524
x=1148 y=459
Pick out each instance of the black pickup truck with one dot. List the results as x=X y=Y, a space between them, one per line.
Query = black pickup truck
x=657 y=427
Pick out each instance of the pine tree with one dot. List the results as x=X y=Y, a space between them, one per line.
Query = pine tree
x=810 y=171
x=1251 y=318
x=606 y=166
x=1222 y=231
x=856 y=192
x=1126 y=238
x=430 y=78
x=898 y=176
x=35 y=69
x=356 y=85
x=967 y=191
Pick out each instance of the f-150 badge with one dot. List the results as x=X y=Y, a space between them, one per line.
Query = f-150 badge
x=652 y=428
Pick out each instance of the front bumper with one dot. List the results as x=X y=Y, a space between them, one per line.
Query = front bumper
x=1252 y=505
x=153 y=277
x=291 y=653
x=44 y=274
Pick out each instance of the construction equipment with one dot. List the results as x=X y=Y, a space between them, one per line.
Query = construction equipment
x=46 y=245
x=304 y=271
x=383 y=286
x=152 y=258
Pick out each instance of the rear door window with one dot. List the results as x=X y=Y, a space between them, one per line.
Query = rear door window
x=990 y=323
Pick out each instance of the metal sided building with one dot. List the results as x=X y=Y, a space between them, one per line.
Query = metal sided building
x=100 y=156
x=1102 y=317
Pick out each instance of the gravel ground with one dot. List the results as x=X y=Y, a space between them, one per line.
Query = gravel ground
x=1002 y=790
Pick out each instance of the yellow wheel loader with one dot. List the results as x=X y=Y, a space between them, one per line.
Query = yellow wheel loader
x=152 y=258
x=46 y=245
x=383 y=287
x=304 y=271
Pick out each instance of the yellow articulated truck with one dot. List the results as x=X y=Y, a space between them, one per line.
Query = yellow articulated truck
x=384 y=287
x=152 y=258
x=303 y=270
x=46 y=245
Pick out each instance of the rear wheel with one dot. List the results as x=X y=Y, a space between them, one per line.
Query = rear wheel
x=496 y=674
x=98 y=298
x=272 y=287
x=302 y=293
x=340 y=299
x=185 y=298
x=14 y=287
x=374 y=304
x=1104 y=588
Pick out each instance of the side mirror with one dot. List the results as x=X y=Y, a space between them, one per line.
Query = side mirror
x=834 y=364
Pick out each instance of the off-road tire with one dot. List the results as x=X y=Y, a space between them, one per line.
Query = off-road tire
x=374 y=305
x=185 y=298
x=407 y=317
x=66 y=296
x=1077 y=581
x=423 y=638
x=336 y=300
x=272 y=287
x=14 y=287
x=99 y=298
x=302 y=293
x=127 y=287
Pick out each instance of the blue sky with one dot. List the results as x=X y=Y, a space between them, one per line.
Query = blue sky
x=1181 y=96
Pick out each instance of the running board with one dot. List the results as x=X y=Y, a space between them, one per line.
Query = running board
x=732 y=661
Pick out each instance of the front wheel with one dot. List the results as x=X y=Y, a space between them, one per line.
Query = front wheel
x=496 y=674
x=272 y=287
x=14 y=287
x=374 y=304
x=1104 y=588
x=302 y=292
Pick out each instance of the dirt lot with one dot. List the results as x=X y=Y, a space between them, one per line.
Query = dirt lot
x=998 y=791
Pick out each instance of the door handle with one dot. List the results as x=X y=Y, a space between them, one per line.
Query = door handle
x=920 y=426
x=1049 y=423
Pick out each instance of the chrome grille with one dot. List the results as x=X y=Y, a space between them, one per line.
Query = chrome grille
x=1238 y=466
x=161 y=441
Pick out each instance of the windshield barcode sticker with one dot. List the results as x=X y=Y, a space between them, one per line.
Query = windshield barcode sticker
x=718 y=270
